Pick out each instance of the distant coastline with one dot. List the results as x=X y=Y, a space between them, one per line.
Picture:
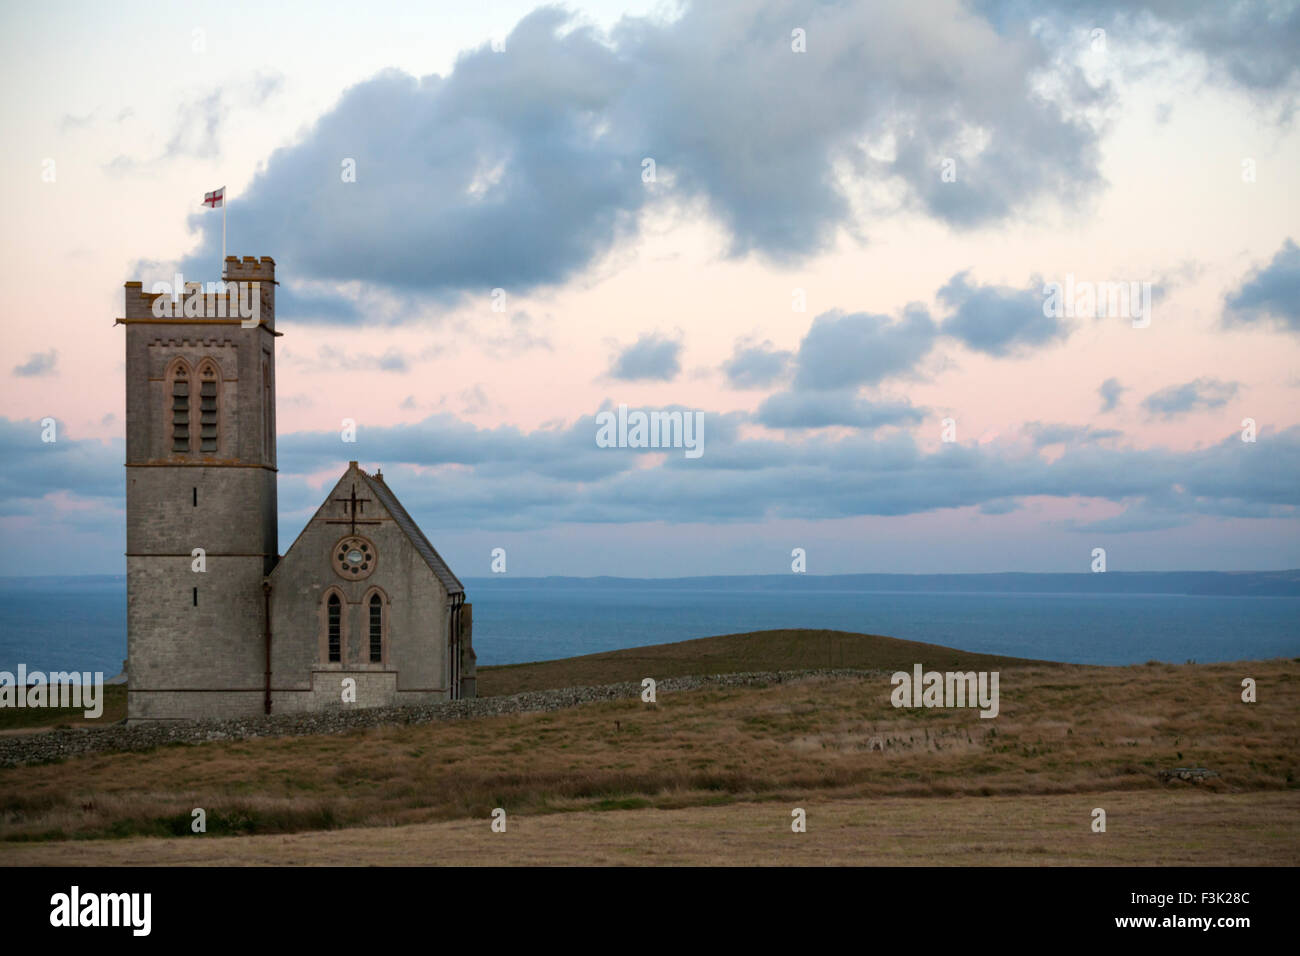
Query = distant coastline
x=1220 y=583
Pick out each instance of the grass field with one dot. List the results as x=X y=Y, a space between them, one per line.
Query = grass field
x=1068 y=738
x=23 y=718
x=1145 y=828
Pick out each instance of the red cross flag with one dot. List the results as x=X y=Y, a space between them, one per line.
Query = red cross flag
x=212 y=200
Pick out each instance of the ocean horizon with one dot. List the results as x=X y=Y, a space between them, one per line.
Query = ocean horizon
x=79 y=623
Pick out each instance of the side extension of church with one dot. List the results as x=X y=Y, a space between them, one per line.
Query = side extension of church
x=361 y=611
x=363 y=594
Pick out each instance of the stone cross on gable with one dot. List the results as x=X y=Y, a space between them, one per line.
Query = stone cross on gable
x=353 y=501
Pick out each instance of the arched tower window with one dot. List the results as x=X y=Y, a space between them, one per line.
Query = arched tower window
x=180 y=389
x=209 y=424
x=334 y=627
x=376 y=629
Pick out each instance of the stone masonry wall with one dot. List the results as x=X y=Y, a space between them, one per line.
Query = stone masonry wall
x=61 y=744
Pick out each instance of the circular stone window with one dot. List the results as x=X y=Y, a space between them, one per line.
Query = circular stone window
x=354 y=558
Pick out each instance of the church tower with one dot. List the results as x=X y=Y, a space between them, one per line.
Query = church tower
x=200 y=495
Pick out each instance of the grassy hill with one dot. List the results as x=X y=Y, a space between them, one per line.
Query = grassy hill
x=783 y=650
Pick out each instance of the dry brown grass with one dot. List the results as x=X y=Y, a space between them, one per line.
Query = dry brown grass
x=1062 y=730
x=1144 y=828
x=776 y=650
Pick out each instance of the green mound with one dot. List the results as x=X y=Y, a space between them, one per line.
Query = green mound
x=786 y=650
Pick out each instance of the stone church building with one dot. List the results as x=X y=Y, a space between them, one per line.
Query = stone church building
x=219 y=623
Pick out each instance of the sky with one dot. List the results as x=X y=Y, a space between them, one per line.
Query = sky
x=857 y=242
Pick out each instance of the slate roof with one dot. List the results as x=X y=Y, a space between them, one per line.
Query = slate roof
x=413 y=532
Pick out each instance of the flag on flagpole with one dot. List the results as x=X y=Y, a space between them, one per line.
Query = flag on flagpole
x=212 y=200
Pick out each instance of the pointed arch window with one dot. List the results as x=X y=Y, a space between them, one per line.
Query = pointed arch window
x=376 y=629
x=180 y=381
x=334 y=628
x=209 y=424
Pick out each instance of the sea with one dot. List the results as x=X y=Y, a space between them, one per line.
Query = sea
x=79 y=623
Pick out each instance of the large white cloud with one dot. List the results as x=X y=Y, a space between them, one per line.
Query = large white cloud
x=519 y=168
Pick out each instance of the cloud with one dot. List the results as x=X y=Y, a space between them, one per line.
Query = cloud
x=34 y=468
x=197 y=133
x=755 y=366
x=521 y=168
x=462 y=476
x=820 y=409
x=1191 y=396
x=71 y=122
x=841 y=351
x=308 y=302
x=997 y=320
x=1130 y=521
x=1250 y=44
x=519 y=336
x=652 y=356
x=262 y=87
x=443 y=439
x=1269 y=293
x=38 y=363
x=121 y=165
x=450 y=473
x=1110 y=392
x=857 y=475
x=475 y=400
x=1043 y=434
x=494 y=176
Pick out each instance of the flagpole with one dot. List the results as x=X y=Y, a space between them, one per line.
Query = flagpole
x=225 y=201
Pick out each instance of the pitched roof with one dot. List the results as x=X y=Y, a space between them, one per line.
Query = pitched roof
x=413 y=532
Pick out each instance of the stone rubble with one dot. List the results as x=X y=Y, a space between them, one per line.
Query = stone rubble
x=1187 y=773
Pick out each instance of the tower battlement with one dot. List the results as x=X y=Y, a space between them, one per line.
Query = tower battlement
x=142 y=306
x=250 y=269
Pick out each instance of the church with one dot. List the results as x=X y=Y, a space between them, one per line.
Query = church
x=361 y=611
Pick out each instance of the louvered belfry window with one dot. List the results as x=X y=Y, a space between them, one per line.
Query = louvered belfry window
x=376 y=630
x=208 y=410
x=180 y=411
x=334 y=613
